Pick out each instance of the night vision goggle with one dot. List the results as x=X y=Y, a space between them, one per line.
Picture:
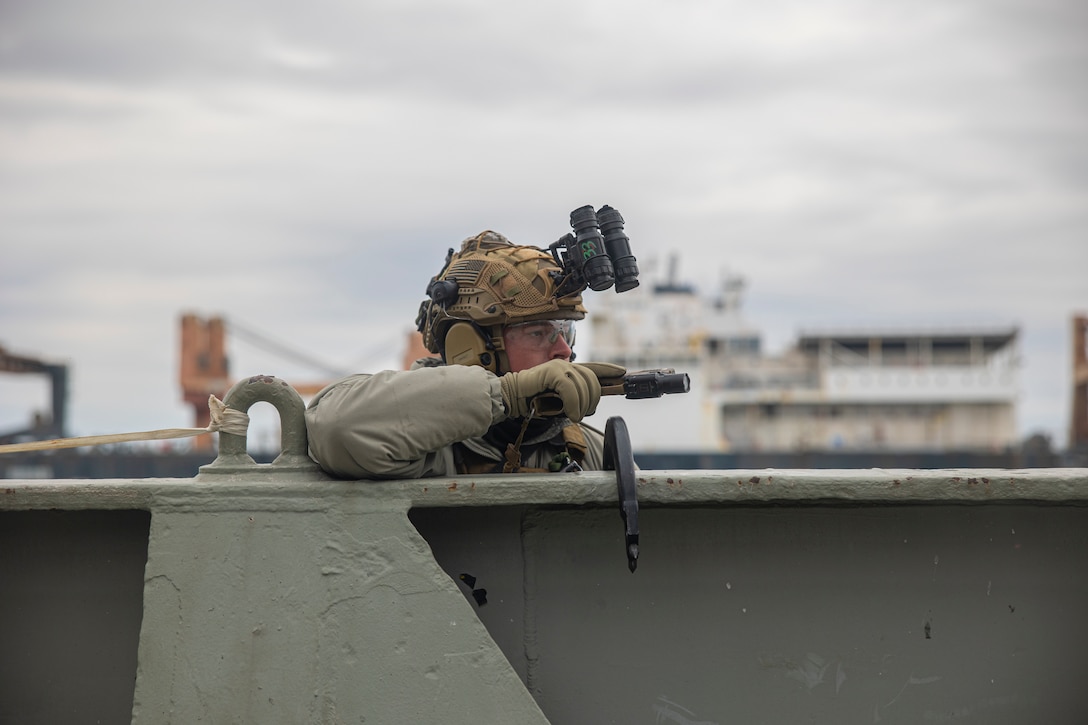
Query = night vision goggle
x=597 y=255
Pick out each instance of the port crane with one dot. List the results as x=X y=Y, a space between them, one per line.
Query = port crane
x=43 y=428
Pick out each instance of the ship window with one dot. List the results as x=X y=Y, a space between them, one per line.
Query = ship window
x=743 y=345
x=894 y=352
x=951 y=352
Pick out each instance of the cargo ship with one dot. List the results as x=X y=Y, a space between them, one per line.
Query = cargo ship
x=917 y=397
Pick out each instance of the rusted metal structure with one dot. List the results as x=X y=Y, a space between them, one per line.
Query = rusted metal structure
x=1078 y=429
x=203 y=369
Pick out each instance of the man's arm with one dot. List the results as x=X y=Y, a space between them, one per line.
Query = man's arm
x=400 y=424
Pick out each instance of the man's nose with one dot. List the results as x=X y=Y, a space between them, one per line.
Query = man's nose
x=561 y=350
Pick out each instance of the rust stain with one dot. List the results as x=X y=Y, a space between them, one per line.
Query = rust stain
x=472 y=487
x=424 y=489
x=452 y=486
x=753 y=479
x=896 y=482
x=956 y=479
x=986 y=481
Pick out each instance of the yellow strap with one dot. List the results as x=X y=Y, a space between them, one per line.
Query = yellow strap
x=227 y=420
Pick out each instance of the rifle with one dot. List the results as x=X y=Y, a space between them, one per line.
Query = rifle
x=637 y=385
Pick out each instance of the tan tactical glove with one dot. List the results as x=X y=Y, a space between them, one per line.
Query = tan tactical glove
x=606 y=372
x=575 y=386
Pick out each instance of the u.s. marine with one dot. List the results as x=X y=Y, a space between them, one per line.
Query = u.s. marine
x=503 y=324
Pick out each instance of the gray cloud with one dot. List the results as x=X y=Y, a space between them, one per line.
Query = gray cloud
x=305 y=168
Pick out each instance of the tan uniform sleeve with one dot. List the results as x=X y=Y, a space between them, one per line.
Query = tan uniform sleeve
x=400 y=424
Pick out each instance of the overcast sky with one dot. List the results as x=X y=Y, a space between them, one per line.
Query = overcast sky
x=302 y=168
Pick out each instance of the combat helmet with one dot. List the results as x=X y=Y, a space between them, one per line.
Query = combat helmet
x=489 y=283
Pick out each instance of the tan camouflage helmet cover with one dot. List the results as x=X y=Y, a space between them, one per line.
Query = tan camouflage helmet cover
x=498 y=283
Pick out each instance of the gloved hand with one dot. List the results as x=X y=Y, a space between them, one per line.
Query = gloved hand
x=576 y=387
x=605 y=371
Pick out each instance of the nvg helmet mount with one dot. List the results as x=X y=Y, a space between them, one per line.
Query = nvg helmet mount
x=491 y=283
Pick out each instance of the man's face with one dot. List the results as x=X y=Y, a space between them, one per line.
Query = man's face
x=531 y=343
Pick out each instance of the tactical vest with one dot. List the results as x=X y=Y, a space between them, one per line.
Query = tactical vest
x=469 y=461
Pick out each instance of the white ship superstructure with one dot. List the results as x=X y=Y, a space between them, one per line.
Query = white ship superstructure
x=922 y=389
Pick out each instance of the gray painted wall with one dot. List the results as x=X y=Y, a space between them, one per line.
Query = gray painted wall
x=760 y=596
x=786 y=614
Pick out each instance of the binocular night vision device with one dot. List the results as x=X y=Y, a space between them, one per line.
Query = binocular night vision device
x=597 y=255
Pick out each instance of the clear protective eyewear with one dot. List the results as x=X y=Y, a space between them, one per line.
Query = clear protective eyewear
x=542 y=334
